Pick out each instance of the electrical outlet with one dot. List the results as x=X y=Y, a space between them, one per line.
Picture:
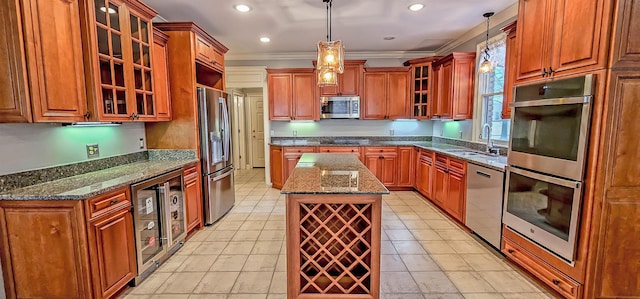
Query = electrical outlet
x=295 y=133
x=272 y=132
x=391 y=132
x=93 y=151
x=141 y=143
x=460 y=135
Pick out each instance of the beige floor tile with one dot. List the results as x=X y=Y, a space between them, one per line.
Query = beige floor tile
x=426 y=235
x=409 y=216
x=393 y=224
x=271 y=235
x=433 y=282
x=430 y=215
x=229 y=262
x=208 y=296
x=258 y=216
x=260 y=263
x=451 y=262
x=229 y=225
x=467 y=246
x=485 y=262
x=217 y=282
x=134 y=296
x=278 y=283
x=220 y=236
x=399 y=234
x=246 y=235
x=247 y=296
x=391 y=263
x=267 y=247
x=236 y=217
x=443 y=296
x=282 y=263
x=408 y=247
x=482 y=296
x=181 y=283
x=440 y=224
x=470 y=282
x=201 y=235
x=197 y=263
x=208 y=248
x=386 y=247
x=238 y=248
x=397 y=283
x=275 y=225
x=277 y=296
x=415 y=224
x=170 y=296
x=151 y=284
x=437 y=247
x=508 y=282
x=400 y=209
x=188 y=248
x=252 y=283
x=171 y=264
x=419 y=262
x=454 y=235
x=524 y=296
x=401 y=296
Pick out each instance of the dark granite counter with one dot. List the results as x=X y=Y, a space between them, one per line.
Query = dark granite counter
x=94 y=183
x=332 y=174
x=470 y=155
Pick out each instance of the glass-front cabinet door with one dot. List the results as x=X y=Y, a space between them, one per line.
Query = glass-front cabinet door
x=121 y=53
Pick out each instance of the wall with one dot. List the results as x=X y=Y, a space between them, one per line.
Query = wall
x=461 y=129
x=33 y=146
x=351 y=127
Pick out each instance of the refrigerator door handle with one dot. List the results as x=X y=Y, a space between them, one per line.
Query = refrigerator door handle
x=224 y=175
x=225 y=130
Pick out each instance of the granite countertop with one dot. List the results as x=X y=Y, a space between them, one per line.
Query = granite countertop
x=91 y=184
x=332 y=174
x=494 y=162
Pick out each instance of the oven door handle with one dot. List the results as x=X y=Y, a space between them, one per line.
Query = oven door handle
x=545 y=178
x=550 y=102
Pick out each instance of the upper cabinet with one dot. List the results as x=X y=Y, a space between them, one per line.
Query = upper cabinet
x=162 y=94
x=386 y=93
x=510 y=69
x=120 y=39
x=349 y=81
x=422 y=86
x=292 y=94
x=559 y=37
x=41 y=62
x=453 y=78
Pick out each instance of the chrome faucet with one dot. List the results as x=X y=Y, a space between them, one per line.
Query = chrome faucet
x=490 y=148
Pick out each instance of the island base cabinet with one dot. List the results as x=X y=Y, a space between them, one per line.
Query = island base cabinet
x=44 y=249
x=327 y=234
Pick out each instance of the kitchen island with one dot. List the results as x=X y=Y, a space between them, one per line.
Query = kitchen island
x=333 y=228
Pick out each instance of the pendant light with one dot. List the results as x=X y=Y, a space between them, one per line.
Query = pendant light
x=330 y=55
x=486 y=66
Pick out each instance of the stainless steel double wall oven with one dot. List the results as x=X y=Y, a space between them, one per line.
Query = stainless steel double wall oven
x=547 y=151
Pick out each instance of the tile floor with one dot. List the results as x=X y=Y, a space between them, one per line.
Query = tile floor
x=424 y=254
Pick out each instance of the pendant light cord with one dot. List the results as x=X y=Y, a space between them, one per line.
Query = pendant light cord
x=486 y=45
x=329 y=5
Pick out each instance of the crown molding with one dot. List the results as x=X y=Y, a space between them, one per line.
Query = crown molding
x=313 y=55
x=509 y=13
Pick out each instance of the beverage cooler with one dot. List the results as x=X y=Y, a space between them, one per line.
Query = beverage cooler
x=159 y=220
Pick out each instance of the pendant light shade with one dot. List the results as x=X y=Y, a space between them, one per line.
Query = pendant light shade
x=486 y=66
x=331 y=56
x=327 y=77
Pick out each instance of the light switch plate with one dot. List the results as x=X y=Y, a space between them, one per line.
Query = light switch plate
x=93 y=151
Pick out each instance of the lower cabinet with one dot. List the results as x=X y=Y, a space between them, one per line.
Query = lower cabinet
x=382 y=162
x=80 y=248
x=449 y=186
x=342 y=150
x=275 y=167
x=193 y=196
x=406 y=166
x=424 y=173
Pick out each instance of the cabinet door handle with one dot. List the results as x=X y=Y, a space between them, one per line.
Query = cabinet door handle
x=113 y=202
x=556 y=282
x=353 y=151
x=511 y=251
x=551 y=71
x=544 y=71
x=381 y=157
x=87 y=115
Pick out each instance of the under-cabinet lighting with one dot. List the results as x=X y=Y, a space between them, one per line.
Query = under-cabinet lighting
x=405 y=119
x=92 y=124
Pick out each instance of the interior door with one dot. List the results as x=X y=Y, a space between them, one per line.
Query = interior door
x=257 y=131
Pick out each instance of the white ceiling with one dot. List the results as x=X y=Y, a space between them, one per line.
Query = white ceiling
x=295 y=26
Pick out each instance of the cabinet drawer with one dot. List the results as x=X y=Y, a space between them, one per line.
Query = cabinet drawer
x=189 y=171
x=553 y=278
x=339 y=149
x=295 y=150
x=379 y=149
x=441 y=159
x=204 y=51
x=457 y=165
x=104 y=204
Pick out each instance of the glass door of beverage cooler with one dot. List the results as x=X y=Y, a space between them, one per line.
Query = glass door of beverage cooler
x=176 y=213
x=147 y=222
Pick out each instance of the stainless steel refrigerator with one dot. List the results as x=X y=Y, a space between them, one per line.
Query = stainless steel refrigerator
x=215 y=145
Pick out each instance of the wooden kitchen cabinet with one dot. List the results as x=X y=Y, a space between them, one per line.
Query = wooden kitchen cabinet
x=193 y=197
x=41 y=62
x=85 y=248
x=208 y=54
x=561 y=37
x=276 y=167
x=292 y=94
x=386 y=93
x=349 y=81
x=454 y=86
x=342 y=150
x=421 y=96
x=510 y=69
x=424 y=173
x=406 y=166
x=162 y=94
x=291 y=156
x=449 y=186
x=382 y=162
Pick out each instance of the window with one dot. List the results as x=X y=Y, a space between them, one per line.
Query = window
x=489 y=93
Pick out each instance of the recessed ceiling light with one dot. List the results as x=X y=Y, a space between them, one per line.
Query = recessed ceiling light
x=416 y=6
x=242 y=8
x=109 y=10
x=389 y=38
x=265 y=39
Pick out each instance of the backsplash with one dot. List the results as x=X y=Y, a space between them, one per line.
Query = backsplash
x=469 y=144
x=351 y=127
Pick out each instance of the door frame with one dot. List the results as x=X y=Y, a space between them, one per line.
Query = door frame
x=238 y=126
x=249 y=120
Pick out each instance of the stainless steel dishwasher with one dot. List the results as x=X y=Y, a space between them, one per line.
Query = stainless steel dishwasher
x=484 y=203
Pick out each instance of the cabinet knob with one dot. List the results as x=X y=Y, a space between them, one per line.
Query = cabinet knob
x=381 y=157
x=511 y=251
x=353 y=151
x=556 y=282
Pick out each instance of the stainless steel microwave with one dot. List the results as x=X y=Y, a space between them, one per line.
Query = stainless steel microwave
x=339 y=107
